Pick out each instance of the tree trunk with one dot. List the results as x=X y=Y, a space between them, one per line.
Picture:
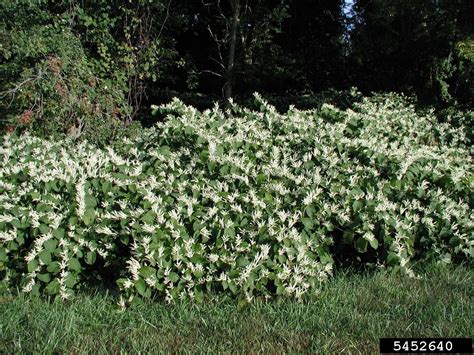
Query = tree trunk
x=235 y=4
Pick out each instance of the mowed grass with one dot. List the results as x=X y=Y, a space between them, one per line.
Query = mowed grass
x=350 y=315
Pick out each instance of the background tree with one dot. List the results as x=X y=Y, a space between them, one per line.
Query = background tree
x=49 y=84
x=131 y=43
x=230 y=34
x=312 y=43
x=410 y=46
x=106 y=62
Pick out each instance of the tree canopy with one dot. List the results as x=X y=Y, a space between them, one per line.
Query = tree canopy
x=66 y=63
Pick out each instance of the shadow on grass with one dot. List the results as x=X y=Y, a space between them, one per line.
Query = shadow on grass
x=352 y=311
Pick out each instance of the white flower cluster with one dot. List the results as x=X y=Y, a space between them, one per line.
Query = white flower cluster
x=254 y=203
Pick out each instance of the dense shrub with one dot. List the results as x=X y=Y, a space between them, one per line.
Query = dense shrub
x=250 y=203
x=310 y=100
x=52 y=84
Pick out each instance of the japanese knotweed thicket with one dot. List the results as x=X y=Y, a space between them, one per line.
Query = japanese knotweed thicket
x=249 y=203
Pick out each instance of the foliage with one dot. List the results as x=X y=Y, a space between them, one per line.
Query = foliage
x=311 y=100
x=238 y=38
x=419 y=47
x=249 y=203
x=312 y=49
x=51 y=87
x=281 y=46
x=79 y=69
x=128 y=44
x=99 y=64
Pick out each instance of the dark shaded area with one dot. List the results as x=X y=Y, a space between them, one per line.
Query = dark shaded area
x=99 y=65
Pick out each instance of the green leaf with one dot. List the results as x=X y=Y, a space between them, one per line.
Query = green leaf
x=310 y=210
x=280 y=290
x=233 y=287
x=308 y=223
x=142 y=288
x=43 y=228
x=242 y=303
x=174 y=277
x=348 y=237
x=197 y=226
x=392 y=259
x=90 y=257
x=50 y=245
x=224 y=169
x=198 y=274
x=32 y=265
x=147 y=271
x=357 y=205
x=201 y=140
x=140 y=285
x=90 y=201
x=329 y=226
x=454 y=241
x=89 y=216
x=45 y=257
x=59 y=233
x=361 y=245
x=149 y=217
x=53 y=287
x=35 y=290
x=42 y=207
x=106 y=187
x=242 y=261
x=124 y=239
x=234 y=273
x=230 y=232
x=72 y=221
x=261 y=178
x=199 y=297
x=374 y=243
x=12 y=245
x=17 y=224
x=3 y=254
x=165 y=150
x=75 y=264
x=211 y=166
x=43 y=277
x=70 y=280
x=20 y=237
x=53 y=267
x=268 y=197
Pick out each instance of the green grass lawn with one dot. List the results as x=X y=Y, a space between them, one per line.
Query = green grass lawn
x=350 y=314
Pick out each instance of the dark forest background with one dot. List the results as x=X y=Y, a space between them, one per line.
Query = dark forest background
x=93 y=68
